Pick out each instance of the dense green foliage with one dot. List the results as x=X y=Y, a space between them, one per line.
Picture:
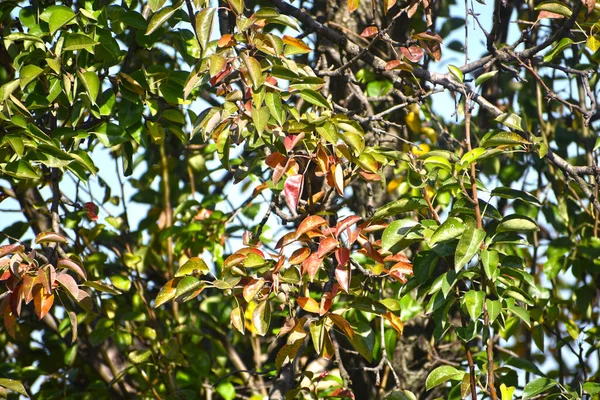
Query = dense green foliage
x=320 y=217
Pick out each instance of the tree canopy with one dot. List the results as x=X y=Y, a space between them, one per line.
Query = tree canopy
x=376 y=199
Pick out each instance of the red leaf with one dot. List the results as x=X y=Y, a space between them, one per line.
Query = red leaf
x=413 y=53
x=343 y=275
x=342 y=255
x=370 y=32
x=291 y=141
x=326 y=246
x=340 y=392
x=310 y=223
x=345 y=224
x=311 y=265
x=92 y=210
x=292 y=190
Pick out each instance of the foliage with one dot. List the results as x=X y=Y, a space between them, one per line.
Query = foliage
x=312 y=227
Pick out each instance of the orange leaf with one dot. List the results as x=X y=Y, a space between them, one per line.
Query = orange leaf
x=299 y=255
x=226 y=41
x=42 y=301
x=292 y=41
x=310 y=223
x=338 y=179
x=395 y=321
x=400 y=270
x=308 y=304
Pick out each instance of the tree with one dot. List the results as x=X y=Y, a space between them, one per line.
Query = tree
x=236 y=199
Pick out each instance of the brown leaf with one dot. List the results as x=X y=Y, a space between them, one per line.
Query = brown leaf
x=10 y=322
x=397 y=64
x=589 y=4
x=73 y=266
x=50 y=237
x=412 y=53
x=10 y=249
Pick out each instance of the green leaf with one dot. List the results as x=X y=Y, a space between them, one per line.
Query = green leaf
x=538 y=386
x=17 y=36
x=315 y=98
x=121 y=282
x=397 y=231
x=468 y=245
x=91 y=82
x=554 y=7
x=167 y=293
x=20 y=169
x=226 y=390
x=14 y=385
x=494 y=307
x=503 y=138
x=592 y=388
x=273 y=102
x=517 y=223
x=470 y=157
x=237 y=6
x=399 y=207
x=155 y=5
x=186 y=285
x=260 y=118
x=509 y=193
x=254 y=70
x=511 y=120
x=438 y=162
x=205 y=20
x=450 y=229
x=490 y=260
x=519 y=312
x=28 y=73
x=79 y=41
x=160 y=18
x=473 y=301
x=139 y=356
x=456 y=72
x=60 y=17
x=363 y=339
x=441 y=375
x=558 y=48
x=261 y=317
x=481 y=79
x=191 y=266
